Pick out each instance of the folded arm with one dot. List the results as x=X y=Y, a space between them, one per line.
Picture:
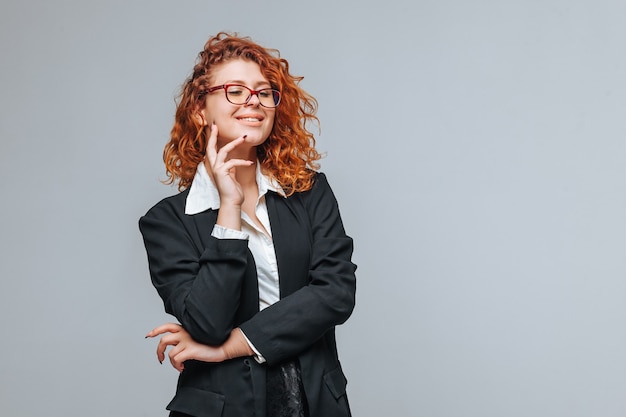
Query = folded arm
x=200 y=286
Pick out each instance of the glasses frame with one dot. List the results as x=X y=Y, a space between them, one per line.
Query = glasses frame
x=252 y=93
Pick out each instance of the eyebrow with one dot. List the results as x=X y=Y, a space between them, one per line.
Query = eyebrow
x=254 y=85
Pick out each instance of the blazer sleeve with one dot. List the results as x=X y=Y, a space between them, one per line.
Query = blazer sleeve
x=199 y=279
x=294 y=323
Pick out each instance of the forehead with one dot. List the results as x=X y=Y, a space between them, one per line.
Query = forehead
x=240 y=71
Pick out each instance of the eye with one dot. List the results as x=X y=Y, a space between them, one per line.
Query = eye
x=265 y=93
x=235 y=91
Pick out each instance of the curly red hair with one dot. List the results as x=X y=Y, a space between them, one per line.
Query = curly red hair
x=288 y=155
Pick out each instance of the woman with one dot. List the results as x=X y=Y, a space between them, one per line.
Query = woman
x=251 y=257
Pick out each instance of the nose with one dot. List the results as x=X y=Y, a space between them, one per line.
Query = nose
x=253 y=100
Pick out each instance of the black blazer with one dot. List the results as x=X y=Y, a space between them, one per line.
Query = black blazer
x=210 y=286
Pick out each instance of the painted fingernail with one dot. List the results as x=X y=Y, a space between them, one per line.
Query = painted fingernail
x=245 y=136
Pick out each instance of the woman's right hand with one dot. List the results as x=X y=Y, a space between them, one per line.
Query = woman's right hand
x=184 y=347
x=223 y=170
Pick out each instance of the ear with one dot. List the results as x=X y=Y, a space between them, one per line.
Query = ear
x=200 y=117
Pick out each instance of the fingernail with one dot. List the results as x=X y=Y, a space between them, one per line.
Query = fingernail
x=161 y=362
x=245 y=136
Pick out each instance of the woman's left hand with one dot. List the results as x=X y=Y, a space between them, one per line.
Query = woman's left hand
x=184 y=347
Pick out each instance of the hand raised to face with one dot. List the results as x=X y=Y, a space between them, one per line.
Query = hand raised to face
x=223 y=170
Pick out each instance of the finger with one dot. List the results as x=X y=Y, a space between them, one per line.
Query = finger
x=211 y=147
x=165 y=328
x=224 y=150
x=226 y=168
x=183 y=355
x=174 y=353
x=175 y=360
x=169 y=340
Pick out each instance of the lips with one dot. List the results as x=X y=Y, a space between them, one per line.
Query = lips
x=251 y=118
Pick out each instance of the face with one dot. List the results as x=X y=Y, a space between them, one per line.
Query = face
x=235 y=120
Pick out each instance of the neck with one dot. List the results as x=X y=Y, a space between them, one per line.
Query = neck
x=246 y=176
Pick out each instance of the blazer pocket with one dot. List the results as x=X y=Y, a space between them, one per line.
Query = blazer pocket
x=197 y=402
x=336 y=382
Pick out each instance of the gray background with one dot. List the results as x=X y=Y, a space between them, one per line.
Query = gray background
x=476 y=148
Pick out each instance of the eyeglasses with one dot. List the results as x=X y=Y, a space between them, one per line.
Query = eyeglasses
x=240 y=94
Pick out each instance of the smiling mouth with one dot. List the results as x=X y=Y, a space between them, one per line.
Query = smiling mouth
x=250 y=119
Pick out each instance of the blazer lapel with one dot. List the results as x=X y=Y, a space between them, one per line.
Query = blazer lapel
x=290 y=223
x=204 y=223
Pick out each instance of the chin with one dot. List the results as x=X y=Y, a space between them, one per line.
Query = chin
x=255 y=138
x=257 y=142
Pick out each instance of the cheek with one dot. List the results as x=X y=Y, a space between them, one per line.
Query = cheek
x=272 y=119
x=216 y=110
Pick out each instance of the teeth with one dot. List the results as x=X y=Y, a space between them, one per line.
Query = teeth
x=249 y=119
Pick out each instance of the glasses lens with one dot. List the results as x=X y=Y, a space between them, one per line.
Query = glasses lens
x=269 y=97
x=237 y=94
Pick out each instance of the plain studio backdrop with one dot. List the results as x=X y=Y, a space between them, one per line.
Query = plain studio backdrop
x=476 y=149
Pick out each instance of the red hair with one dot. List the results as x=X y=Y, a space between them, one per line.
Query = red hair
x=288 y=155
